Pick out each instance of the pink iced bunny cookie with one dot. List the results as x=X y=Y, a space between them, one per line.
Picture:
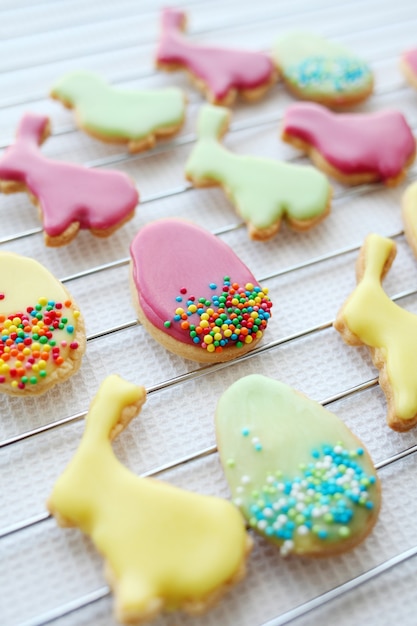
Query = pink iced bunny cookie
x=219 y=72
x=69 y=196
x=354 y=148
x=409 y=66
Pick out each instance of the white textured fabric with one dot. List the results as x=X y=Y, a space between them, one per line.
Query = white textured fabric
x=43 y=567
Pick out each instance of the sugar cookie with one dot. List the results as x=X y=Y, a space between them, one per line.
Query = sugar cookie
x=69 y=196
x=221 y=73
x=409 y=214
x=195 y=296
x=297 y=473
x=314 y=68
x=263 y=191
x=165 y=548
x=409 y=66
x=354 y=148
x=135 y=117
x=371 y=318
x=42 y=331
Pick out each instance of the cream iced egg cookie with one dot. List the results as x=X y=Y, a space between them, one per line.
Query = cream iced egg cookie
x=135 y=117
x=164 y=548
x=299 y=476
x=409 y=66
x=409 y=214
x=314 y=68
x=263 y=191
x=42 y=336
x=195 y=296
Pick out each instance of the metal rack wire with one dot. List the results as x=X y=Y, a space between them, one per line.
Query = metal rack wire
x=354 y=21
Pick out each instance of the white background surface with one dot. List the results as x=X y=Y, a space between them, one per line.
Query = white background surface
x=44 y=567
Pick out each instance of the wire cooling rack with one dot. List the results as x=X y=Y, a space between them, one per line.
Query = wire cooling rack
x=50 y=575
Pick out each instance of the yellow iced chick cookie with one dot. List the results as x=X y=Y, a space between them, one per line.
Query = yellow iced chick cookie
x=165 y=548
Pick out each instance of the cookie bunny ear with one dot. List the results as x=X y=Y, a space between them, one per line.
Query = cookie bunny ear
x=33 y=129
x=213 y=122
x=297 y=473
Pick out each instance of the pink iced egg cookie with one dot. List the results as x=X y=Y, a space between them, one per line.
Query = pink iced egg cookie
x=409 y=66
x=354 y=148
x=221 y=73
x=69 y=196
x=194 y=295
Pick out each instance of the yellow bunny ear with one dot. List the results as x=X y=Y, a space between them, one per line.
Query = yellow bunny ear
x=164 y=547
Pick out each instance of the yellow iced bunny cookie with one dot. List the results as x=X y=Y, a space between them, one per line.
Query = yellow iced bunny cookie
x=164 y=547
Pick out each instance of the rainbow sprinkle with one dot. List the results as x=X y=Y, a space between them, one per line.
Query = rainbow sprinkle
x=321 y=501
x=28 y=348
x=234 y=315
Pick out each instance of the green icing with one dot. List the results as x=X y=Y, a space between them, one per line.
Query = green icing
x=119 y=113
x=263 y=190
x=318 y=66
x=298 y=474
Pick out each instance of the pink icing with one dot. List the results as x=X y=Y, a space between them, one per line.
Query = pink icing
x=170 y=256
x=221 y=69
x=67 y=193
x=410 y=58
x=354 y=143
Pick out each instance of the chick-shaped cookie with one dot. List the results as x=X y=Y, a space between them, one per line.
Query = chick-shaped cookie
x=314 y=68
x=263 y=191
x=136 y=117
x=354 y=148
x=42 y=336
x=369 y=317
x=297 y=473
x=165 y=548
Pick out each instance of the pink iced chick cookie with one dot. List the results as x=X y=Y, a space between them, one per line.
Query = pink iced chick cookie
x=354 y=148
x=195 y=296
x=221 y=73
x=69 y=196
x=409 y=66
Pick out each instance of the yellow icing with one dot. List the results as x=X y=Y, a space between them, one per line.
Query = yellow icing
x=26 y=283
x=163 y=545
x=381 y=324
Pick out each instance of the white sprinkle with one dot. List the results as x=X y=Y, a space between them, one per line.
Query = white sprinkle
x=338 y=449
x=282 y=518
x=267 y=511
x=240 y=489
x=255 y=440
x=262 y=524
x=303 y=530
x=287 y=547
x=245 y=480
x=238 y=501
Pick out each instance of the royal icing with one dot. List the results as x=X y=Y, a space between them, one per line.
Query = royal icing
x=131 y=115
x=164 y=547
x=297 y=473
x=70 y=196
x=409 y=65
x=263 y=191
x=409 y=213
x=222 y=70
x=196 y=290
x=319 y=69
x=370 y=317
x=378 y=143
x=41 y=332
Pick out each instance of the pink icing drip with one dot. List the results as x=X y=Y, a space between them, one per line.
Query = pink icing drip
x=98 y=199
x=410 y=58
x=220 y=68
x=170 y=255
x=354 y=143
